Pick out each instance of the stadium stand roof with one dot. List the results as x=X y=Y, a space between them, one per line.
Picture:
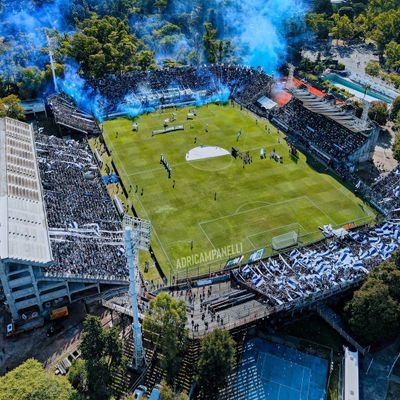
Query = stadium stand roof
x=33 y=106
x=266 y=103
x=23 y=224
x=321 y=106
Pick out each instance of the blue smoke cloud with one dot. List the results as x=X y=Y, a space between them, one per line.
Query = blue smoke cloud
x=85 y=97
x=257 y=29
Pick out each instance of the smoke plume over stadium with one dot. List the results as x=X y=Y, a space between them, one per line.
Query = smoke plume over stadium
x=257 y=30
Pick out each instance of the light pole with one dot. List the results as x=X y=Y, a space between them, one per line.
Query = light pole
x=136 y=236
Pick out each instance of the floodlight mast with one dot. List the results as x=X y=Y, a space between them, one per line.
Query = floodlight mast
x=136 y=236
x=52 y=45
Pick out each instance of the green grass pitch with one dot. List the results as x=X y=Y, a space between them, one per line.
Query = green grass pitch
x=254 y=203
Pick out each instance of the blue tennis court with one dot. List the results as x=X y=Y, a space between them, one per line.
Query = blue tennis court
x=276 y=372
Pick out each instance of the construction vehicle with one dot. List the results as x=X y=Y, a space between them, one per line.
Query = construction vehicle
x=17 y=327
x=58 y=313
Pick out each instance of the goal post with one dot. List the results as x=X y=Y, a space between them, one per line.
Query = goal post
x=284 y=241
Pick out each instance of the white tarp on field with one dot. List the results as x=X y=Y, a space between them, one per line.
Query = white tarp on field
x=202 y=152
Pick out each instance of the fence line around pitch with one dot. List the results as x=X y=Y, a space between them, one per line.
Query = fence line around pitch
x=307 y=239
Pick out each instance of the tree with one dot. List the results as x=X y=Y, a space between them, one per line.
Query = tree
x=166 y=322
x=372 y=68
x=323 y=7
x=77 y=375
x=216 y=51
x=216 y=360
x=392 y=52
x=378 y=112
x=372 y=313
x=31 y=82
x=342 y=28
x=346 y=10
x=319 y=24
x=166 y=393
x=210 y=42
x=395 y=107
x=105 y=45
x=102 y=351
x=396 y=143
x=389 y=274
x=31 y=381
x=386 y=28
x=10 y=106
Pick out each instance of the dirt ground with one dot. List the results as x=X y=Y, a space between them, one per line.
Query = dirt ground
x=48 y=350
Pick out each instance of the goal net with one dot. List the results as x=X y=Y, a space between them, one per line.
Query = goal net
x=286 y=240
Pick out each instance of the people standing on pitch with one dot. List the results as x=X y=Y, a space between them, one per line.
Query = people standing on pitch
x=173 y=184
x=142 y=192
x=206 y=128
x=195 y=140
x=215 y=196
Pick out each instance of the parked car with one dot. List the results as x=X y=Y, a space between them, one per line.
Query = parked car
x=139 y=392
x=54 y=329
x=155 y=393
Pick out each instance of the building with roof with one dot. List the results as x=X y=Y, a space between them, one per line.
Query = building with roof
x=332 y=133
x=350 y=387
x=26 y=251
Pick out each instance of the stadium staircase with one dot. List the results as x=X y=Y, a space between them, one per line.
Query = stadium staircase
x=123 y=380
x=334 y=320
x=241 y=335
x=186 y=374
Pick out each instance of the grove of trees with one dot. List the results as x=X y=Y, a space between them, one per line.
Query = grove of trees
x=30 y=381
x=374 y=311
x=378 y=20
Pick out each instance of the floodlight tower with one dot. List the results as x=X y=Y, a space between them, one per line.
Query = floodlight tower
x=289 y=82
x=51 y=41
x=137 y=237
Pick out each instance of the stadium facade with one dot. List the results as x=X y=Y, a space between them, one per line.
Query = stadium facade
x=26 y=254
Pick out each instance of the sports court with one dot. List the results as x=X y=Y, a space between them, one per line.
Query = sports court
x=277 y=372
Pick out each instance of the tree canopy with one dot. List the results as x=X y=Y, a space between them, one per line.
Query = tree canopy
x=102 y=354
x=166 y=322
x=374 y=311
x=10 y=107
x=106 y=45
x=216 y=360
x=30 y=381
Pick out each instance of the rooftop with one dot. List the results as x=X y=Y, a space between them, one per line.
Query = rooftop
x=23 y=225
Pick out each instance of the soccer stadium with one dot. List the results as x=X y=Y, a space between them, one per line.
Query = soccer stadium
x=181 y=200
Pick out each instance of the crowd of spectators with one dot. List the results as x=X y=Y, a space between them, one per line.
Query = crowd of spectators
x=338 y=260
x=66 y=113
x=318 y=133
x=386 y=192
x=244 y=84
x=85 y=229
